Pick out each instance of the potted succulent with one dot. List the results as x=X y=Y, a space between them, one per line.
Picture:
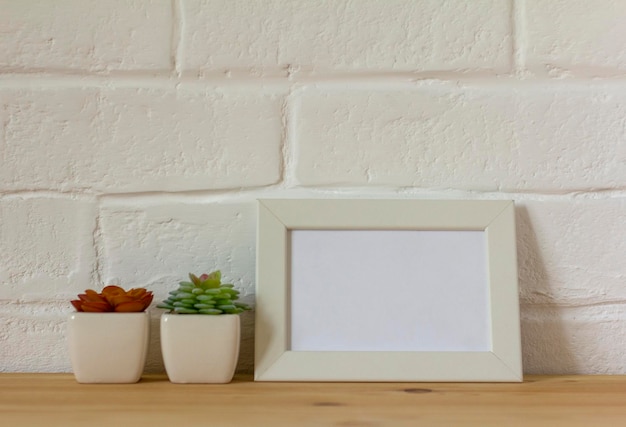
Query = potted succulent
x=200 y=333
x=108 y=335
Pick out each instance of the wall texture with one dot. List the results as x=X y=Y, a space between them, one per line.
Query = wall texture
x=135 y=137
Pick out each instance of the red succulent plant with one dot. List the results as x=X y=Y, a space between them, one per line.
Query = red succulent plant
x=113 y=298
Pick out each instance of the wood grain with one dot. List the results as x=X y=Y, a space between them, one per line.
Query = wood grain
x=51 y=400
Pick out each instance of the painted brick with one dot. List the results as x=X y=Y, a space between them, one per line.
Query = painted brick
x=429 y=137
x=47 y=248
x=486 y=138
x=574 y=340
x=85 y=35
x=48 y=139
x=572 y=252
x=343 y=35
x=158 y=245
x=32 y=337
x=571 y=138
x=124 y=140
x=575 y=34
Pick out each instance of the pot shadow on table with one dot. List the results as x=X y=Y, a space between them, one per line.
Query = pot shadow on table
x=546 y=345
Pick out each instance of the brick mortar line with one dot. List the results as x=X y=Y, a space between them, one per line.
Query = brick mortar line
x=289 y=144
x=178 y=25
x=170 y=80
x=278 y=191
x=519 y=34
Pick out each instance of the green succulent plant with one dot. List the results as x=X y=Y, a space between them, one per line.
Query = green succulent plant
x=204 y=295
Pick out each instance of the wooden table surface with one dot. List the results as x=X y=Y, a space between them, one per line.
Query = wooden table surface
x=49 y=400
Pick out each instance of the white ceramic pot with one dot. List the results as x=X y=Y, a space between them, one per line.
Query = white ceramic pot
x=200 y=348
x=108 y=347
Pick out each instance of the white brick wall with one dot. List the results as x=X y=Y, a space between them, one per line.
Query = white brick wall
x=135 y=137
x=40 y=35
x=129 y=140
x=332 y=35
x=47 y=246
x=576 y=35
x=508 y=137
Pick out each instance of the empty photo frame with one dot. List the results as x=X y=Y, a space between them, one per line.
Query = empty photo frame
x=387 y=290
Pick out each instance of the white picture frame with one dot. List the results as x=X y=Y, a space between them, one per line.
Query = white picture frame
x=317 y=341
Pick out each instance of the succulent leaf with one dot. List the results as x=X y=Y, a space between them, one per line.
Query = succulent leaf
x=166 y=306
x=184 y=310
x=210 y=311
x=96 y=307
x=130 y=307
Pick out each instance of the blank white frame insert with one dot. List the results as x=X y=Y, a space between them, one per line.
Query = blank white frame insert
x=402 y=278
x=387 y=290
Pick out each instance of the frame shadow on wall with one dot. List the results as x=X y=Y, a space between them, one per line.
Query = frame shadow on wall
x=546 y=348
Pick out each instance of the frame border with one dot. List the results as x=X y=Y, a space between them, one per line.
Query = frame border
x=277 y=217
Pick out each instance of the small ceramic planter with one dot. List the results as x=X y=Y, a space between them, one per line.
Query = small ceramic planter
x=108 y=347
x=199 y=348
